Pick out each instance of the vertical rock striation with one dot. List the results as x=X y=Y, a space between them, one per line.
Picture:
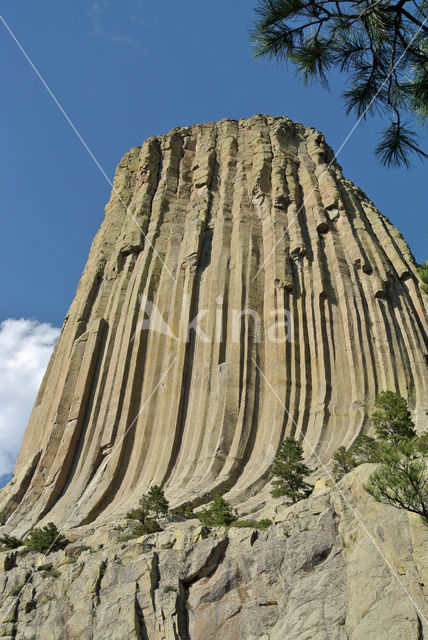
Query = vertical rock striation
x=234 y=259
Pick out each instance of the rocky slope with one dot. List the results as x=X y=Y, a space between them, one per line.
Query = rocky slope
x=301 y=288
x=337 y=566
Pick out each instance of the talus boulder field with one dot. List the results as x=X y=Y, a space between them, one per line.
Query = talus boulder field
x=239 y=290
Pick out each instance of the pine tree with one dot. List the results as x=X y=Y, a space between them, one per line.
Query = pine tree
x=402 y=479
x=289 y=469
x=343 y=462
x=46 y=539
x=382 y=47
x=391 y=417
x=366 y=449
x=10 y=542
x=156 y=501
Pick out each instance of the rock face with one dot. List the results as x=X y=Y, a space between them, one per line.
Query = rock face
x=313 y=575
x=235 y=263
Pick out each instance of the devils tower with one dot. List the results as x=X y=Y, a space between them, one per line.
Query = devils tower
x=239 y=290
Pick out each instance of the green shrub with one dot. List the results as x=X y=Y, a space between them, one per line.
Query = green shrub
x=48 y=538
x=364 y=449
x=244 y=524
x=9 y=542
x=218 y=514
x=185 y=510
x=289 y=469
x=80 y=549
x=127 y=537
x=253 y=524
x=142 y=529
x=150 y=526
x=139 y=514
x=188 y=510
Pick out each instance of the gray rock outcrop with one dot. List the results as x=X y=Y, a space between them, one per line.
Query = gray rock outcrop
x=337 y=566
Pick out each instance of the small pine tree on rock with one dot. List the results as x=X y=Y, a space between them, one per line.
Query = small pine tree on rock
x=402 y=478
x=366 y=449
x=149 y=526
x=187 y=510
x=343 y=462
x=46 y=539
x=391 y=417
x=290 y=470
x=218 y=514
x=184 y=511
x=9 y=542
x=156 y=501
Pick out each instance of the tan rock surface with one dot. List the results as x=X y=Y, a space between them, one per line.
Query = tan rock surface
x=122 y=407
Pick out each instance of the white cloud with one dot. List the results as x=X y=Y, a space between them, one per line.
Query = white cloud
x=25 y=348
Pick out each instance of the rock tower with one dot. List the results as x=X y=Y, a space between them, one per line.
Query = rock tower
x=240 y=289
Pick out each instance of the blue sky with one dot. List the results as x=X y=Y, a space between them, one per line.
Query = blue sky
x=124 y=71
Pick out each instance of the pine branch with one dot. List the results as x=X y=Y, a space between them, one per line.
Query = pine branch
x=396 y=144
x=373 y=41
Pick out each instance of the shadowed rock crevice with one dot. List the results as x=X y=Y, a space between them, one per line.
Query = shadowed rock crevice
x=97 y=587
x=154 y=578
x=140 y=627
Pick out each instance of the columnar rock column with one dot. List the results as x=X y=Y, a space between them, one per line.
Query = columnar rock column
x=235 y=262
